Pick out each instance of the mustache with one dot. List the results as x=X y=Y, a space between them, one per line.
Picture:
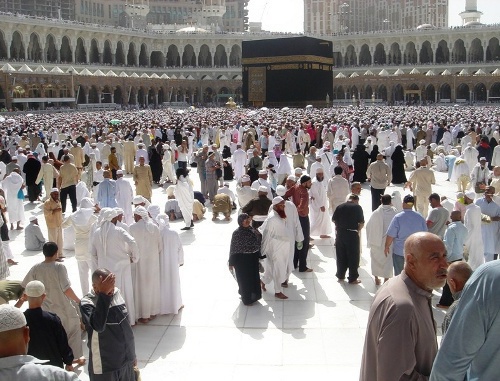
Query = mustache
x=442 y=272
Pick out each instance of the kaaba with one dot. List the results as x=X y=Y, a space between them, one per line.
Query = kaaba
x=293 y=71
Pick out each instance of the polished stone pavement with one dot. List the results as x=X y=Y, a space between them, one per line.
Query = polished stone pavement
x=317 y=333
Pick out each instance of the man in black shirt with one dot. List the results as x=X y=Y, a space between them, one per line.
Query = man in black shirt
x=349 y=220
x=48 y=339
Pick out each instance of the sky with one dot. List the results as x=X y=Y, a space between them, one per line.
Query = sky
x=288 y=15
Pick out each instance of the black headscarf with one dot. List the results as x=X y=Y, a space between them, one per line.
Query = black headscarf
x=244 y=240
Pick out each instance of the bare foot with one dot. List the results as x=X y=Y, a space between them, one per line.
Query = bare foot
x=263 y=286
x=324 y=236
x=143 y=321
x=280 y=295
x=357 y=281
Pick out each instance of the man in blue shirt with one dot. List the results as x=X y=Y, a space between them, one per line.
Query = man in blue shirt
x=471 y=347
x=403 y=225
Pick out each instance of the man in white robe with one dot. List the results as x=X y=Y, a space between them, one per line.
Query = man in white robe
x=245 y=192
x=277 y=244
x=474 y=242
x=168 y=165
x=124 y=196
x=114 y=249
x=170 y=261
x=337 y=189
x=238 y=161
x=320 y=218
x=185 y=196
x=147 y=275
x=490 y=228
x=470 y=155
x=376 y=232
x=47 y=173
x=12 y=185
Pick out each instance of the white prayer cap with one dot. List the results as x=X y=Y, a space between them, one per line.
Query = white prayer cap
x=54 y=190
x=154 y=211
x=34 y=289
x=298 y=171
x=170 y=191
x=319 y=170
x=263 y=188
x=470 y=194
x=14 y=157
x=163 y=221
x=280 y=190
x=262 y=172
x=422 y=141
x=11 y=318
x=33 y=218
x=292 y=178
x=482 y=159
x=245 y=178
x=86 y=203
x=460 y=194
x=138 y=200
x=118 y=211
x=327 y=144
x=142 y=212
x=277 y=200
x=119 y=172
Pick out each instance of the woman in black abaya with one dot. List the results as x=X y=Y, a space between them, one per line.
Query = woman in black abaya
x=398 y=166
x=244 y=259
x=360 y=158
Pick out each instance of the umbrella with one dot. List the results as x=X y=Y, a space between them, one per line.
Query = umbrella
x=285 y=109
x=115 y=121
x=29 y=115
x=264 y=109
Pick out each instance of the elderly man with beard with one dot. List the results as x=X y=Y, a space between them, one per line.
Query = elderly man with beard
x=320 y=222
x=349 y=220
x=299 y=195
x=400 y=340
x=276 y=246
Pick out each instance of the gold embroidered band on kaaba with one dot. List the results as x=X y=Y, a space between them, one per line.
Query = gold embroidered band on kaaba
x=287 y=59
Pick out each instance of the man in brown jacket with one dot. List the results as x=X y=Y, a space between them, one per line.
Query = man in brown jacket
x=52 y=211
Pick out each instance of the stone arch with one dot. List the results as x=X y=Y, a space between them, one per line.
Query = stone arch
x=205 y=57
x=141 y=96
x=3 y=48
x=395 y=54
x=17 y=46
x=208 y=95
x=151 y=94
x=81 y=94
x=34 y=91
x=106 y=94
x=495 y=91
x=189 y=57
x=64 y=91
x=132 y=96
x=18 y=92
x=80 y=53
x=131 y=55
x=235 y=56
x=162 y=95
x=49 y=91
x=66 y=53
x=50 y=49
x=493 y=50
x=220 y=57
x=107 y=55
x=459 y=53
x=426 y=55
x=94 y=52
x=399 y=93
x=463 y=91
x=410 y=53
x=480 y=93
x=442 y=52
x=93 y=94
x=381 y=92
x=365 y=57
x=173 y=59
x=157 y=59
x=34 y=49
x=379 y=56
x=367 y=92
x=429 y=93
x=118 y=95
x=120 y=54
x=338 y=92
x=350 y=58
x=2 y=96
x=476 y=51
x=143 y=56
x=445 y=91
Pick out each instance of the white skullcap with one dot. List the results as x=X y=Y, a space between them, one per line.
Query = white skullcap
x=277 y=200
x=54 y=190
x=34 y=289
x=292 y=178
x=14 y=158
x=86 y=203
x=138 y=200
x=422 y=141
x=11 y=318
x=154 y=211
x=245 y=178
x=263 y=188
x=170 y=190
x=319 y=170
x=119 y=172
x=298 y=170
x=33 y=218
x=482 y=158
x=141 y=211
x=470 y=194
x=262 y=172
x=280 y=190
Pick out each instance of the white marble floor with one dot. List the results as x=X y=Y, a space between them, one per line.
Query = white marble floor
x=317 y=333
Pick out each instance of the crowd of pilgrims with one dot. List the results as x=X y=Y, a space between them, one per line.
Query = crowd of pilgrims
x=267 y=154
